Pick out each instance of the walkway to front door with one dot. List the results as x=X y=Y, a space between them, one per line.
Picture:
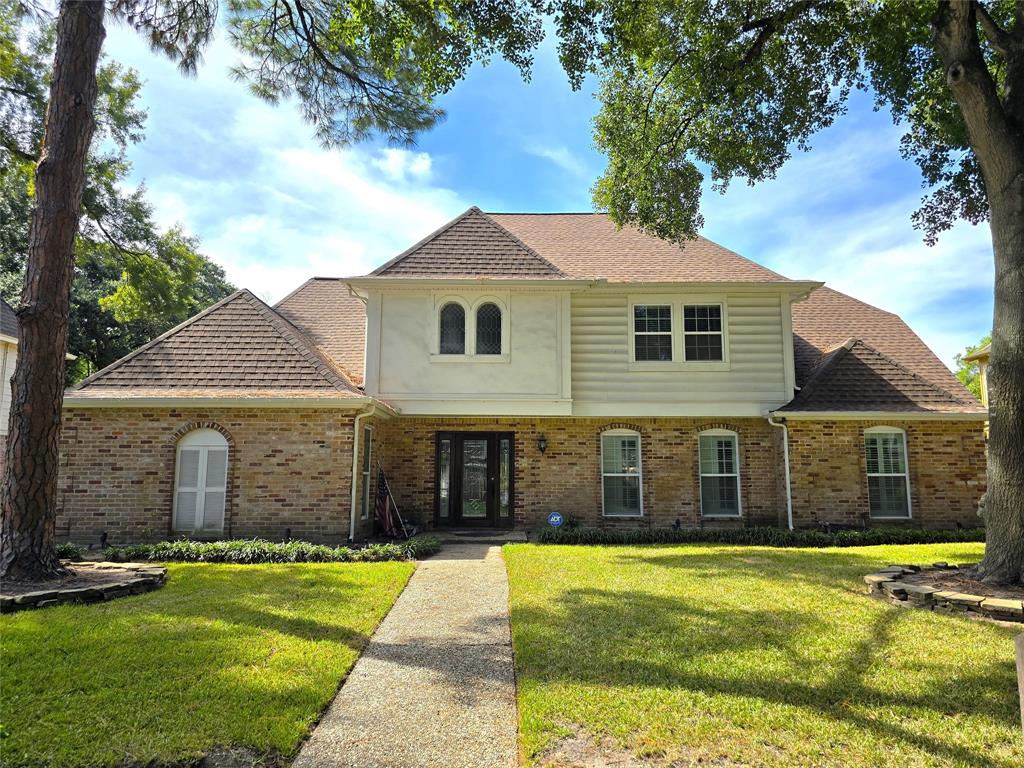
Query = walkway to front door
x=435 y=685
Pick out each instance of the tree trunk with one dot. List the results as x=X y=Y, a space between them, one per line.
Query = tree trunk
x=27 y=501
x=996 y=132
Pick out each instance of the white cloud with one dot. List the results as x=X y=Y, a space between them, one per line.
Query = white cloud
x=561 y=157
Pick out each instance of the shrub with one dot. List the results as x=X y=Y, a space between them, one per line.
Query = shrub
x=69 y=551
x=764 y=536
x=252 y=551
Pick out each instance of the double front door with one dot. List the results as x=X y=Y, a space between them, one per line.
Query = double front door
x=474 y=478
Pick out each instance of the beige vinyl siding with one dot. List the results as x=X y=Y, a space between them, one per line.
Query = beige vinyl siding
x=601 y=366
x=8 y=354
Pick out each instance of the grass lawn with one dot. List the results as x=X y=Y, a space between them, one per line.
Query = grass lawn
x=753 y=656
x=222 y=655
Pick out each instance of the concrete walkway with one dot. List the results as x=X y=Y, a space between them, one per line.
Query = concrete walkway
x=435 y=686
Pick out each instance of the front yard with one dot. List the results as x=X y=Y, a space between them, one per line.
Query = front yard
x=222 y=656
x=751 y=656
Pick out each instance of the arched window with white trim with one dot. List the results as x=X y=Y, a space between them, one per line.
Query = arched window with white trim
x=621 y=474
x=200 y=482
x=453 y=329
x=719 y=473
x=885 y=454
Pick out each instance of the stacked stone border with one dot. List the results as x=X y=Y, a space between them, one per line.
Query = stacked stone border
x=138 y=578
x=888 y=584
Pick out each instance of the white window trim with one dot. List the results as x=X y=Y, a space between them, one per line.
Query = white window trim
x=639 y=471
x=470 y=307
x=678 y=304
x=723 y=333
x=203 y=440
x=366 y=474
x=884 y=430
x=633 y=333
x=738 y=474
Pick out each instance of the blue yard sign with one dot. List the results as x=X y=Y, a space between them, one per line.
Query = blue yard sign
x=555 y=519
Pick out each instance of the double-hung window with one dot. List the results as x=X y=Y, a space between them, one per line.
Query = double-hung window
x=622 y=485
x=652 y=332
x=719 y=474
x=885 y=452
x=702 y=332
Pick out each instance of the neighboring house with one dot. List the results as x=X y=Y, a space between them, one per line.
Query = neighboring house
x=981 y=357
x=512 y=365
x=8 y=356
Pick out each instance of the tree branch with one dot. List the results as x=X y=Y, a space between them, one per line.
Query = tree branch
x=997 y=36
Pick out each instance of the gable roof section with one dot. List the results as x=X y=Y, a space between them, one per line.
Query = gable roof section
x=588 y=246
x=827 y=319
x=8 y=320
x=855 y=376
x=239 y=347
x=472 y=245
x=332 y=318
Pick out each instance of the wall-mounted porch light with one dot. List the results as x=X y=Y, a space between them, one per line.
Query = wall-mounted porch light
x=542 y=444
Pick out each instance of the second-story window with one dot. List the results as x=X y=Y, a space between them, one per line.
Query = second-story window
x=488 y=329
x=453 y=329
x=702 y=332
x=652 y=332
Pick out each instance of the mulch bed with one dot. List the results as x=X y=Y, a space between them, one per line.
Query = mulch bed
x=77 y=577
x=963 y=580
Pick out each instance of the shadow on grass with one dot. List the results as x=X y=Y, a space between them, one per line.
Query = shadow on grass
x=634 y=637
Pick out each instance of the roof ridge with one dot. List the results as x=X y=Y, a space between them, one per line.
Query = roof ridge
x=415 y=246
x=917 y=377
x=162 y=337
x=303 y=345
x=827 y=362
x=519 y=242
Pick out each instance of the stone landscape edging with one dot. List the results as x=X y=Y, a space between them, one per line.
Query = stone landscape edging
x=138 y=579
x=888 y=583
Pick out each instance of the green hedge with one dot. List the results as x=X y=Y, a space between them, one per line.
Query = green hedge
x=768 y=537
x=251 y=551
x=69 y=551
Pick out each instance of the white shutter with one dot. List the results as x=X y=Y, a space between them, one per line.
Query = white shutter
x=188 y=487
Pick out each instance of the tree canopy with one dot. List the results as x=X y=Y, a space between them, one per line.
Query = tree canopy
x=132 y=281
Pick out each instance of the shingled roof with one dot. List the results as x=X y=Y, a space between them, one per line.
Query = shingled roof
x=329 y=315
x=470 y=246
x=588 y=246
x=855 y=376
x=8 y=320
x=239 y=347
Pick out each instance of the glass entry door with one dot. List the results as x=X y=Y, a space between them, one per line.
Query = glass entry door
x=474 y=479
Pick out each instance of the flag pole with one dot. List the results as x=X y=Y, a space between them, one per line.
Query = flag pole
x=405 y=531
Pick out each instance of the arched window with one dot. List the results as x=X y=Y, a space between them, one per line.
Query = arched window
x=719 y=473
x=621 y=480
x=885 y=453
x=453 y=329
x=200 y=482
x=488 y=329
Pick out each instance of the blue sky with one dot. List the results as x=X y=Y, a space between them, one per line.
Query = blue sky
x=274 y=208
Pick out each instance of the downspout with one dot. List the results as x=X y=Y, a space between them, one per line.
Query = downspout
x=785 y=454
x=357 y=433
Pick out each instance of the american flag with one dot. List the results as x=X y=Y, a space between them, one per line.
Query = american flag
x=382 y=509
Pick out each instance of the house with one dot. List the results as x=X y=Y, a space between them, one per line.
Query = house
x=512 y=365
x=981 y=357
x=8 y=356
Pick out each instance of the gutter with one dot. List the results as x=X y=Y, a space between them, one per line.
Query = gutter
x=785 y=453
x=357 y=432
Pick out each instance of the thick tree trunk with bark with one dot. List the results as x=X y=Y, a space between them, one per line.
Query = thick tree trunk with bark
x=996 y=130
x=28 y=498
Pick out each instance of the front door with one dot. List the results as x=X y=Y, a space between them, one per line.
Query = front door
x=474 y=478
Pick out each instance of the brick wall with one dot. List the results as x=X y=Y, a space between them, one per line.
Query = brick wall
x=829 y=473
x=567 y=476
x=287 y=469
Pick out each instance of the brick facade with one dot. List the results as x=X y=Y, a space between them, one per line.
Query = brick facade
x=829 y=475
x=290 y=470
